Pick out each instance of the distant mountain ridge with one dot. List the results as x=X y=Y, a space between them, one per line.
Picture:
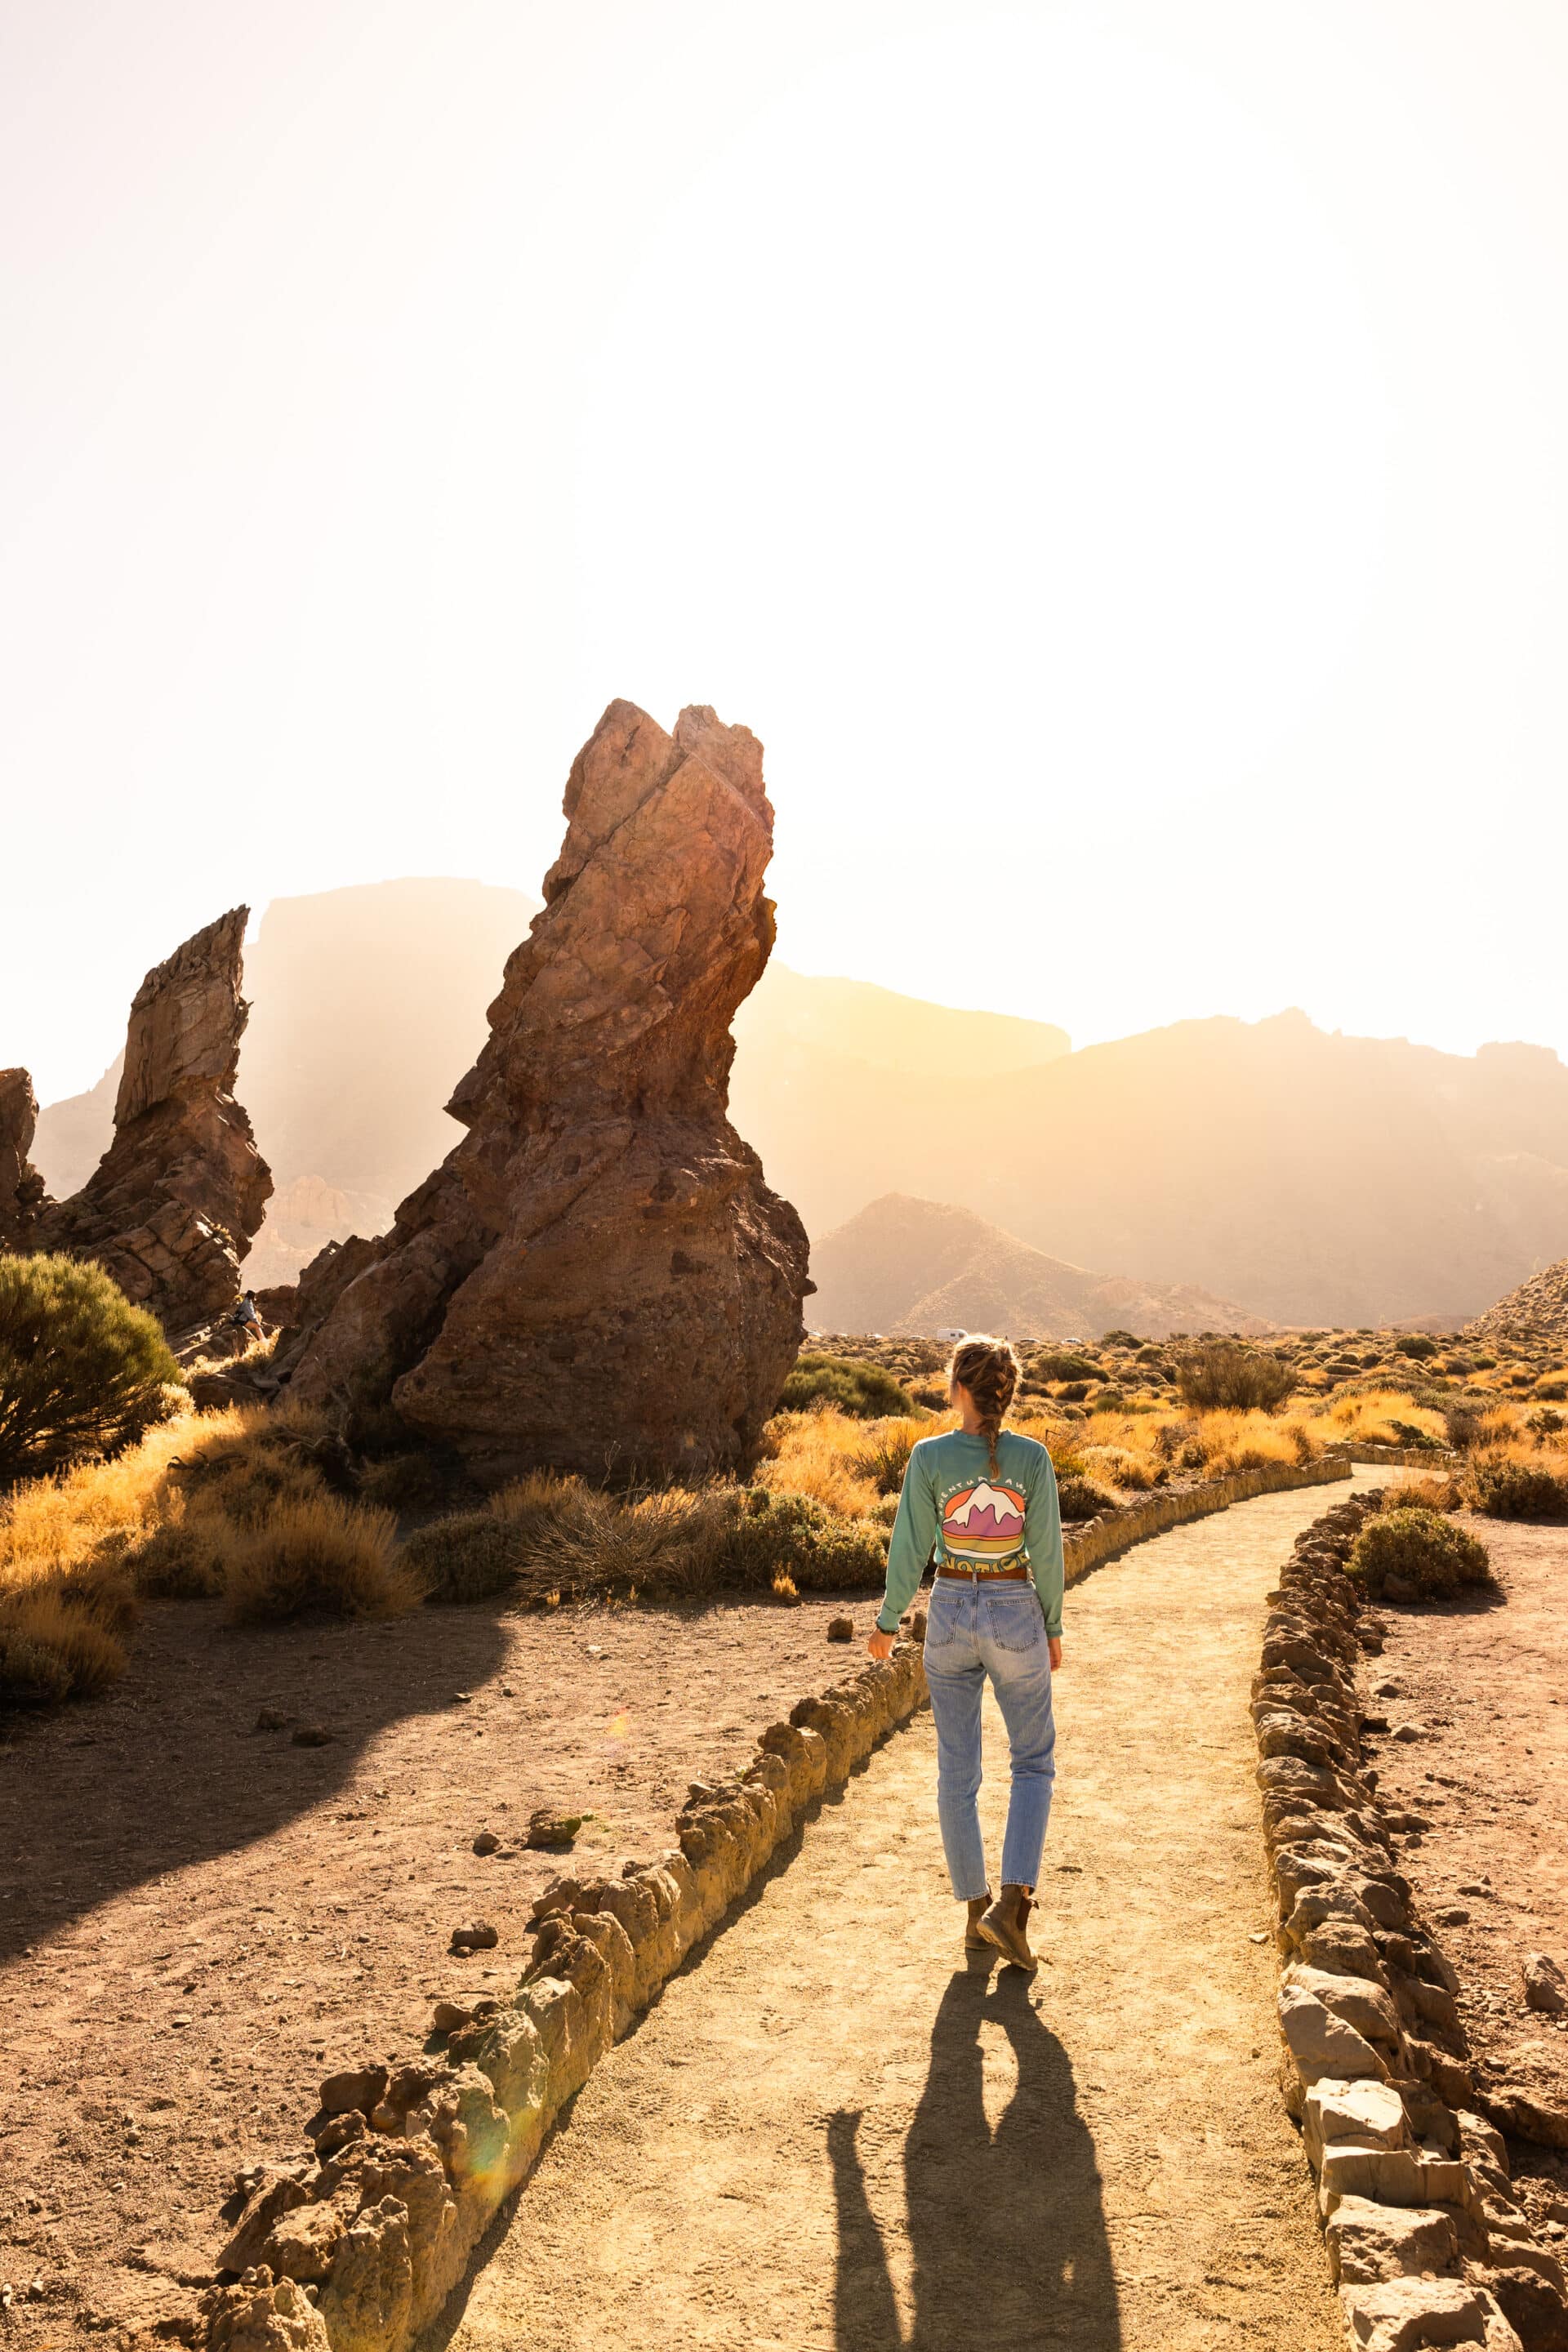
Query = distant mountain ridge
x=924 y=1266
x=1310 y=1178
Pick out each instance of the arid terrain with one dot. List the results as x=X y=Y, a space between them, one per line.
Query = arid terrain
x=201 y=1919
x=1475 y=1697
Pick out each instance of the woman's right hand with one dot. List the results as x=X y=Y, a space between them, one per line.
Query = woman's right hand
x=881 y=1644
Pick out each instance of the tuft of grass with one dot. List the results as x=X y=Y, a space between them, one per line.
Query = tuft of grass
x=885 y=1460
x=320 y=1557
x=1411 y=1553
x=53 y=1649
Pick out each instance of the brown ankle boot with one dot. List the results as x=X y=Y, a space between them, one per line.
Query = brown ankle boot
x=1004 y=1925
x=973 y=1941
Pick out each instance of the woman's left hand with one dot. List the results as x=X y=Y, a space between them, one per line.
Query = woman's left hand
x=881 y=1644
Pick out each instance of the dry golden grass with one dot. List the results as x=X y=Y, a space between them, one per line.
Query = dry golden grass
x=320 y=1557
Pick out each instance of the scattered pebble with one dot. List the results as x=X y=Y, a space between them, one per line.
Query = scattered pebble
x=271 y=1718
x=487 y=1842
x=549 y=1831
x=841 y=1629
x=312 y=1734
x=479 y=1936
x=1545 y=1986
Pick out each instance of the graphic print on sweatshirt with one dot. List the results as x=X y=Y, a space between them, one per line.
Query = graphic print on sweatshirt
x=984 y=1522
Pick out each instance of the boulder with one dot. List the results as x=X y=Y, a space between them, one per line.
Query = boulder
x=597 y=1275
x=172 y=1206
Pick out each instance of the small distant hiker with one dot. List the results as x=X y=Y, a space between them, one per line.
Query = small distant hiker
x=247 y=1316
x=985 y=1498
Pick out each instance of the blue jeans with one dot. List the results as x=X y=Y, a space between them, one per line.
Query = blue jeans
x=973 y=1630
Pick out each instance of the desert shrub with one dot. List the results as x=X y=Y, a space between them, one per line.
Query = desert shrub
x=1546 y=1425
x=1060 y=1366
x=1412 y=1553
x=404 y=1481
x=863 y=1391
x=80 y=1367
x=1417 y=1344
x=1224 y=1374
x=471 y=1556
x=794 y=1533
x=1073 y=1391
x=1081 y=1497
x=1119 y=1339
x=1501 y=1486
x=1552 y=1391
x=1461 y=1422
x=886 y=1459
x=322 y=1557
x=182 y=1558
x=1484 y=1363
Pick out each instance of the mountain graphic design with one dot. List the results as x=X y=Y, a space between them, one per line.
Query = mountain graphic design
x=985 y=1522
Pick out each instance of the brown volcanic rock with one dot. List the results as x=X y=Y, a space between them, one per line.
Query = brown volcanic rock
x=170 y=1210
x=598 y=1274
x=21 y=1186
x=597 y=1112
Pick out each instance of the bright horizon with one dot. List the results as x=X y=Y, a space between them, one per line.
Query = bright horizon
x=1113 y=464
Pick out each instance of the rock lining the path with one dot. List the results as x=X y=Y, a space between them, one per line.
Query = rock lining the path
x=1428 y=2244
x=356 y=2247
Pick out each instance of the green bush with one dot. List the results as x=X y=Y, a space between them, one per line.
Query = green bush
x=1503 y=1488
x=1224 y=1374
x=1411 y=1553
x=1060 y=1366
x=863 y=1389
x=80 y=1367
x=1415 y=1343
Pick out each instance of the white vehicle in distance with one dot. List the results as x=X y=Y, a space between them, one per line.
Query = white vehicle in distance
x=953 y=1334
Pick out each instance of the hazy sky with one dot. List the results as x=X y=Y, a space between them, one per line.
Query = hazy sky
x=1112 y=454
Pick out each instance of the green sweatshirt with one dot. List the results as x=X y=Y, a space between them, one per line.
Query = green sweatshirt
x=949 y=1500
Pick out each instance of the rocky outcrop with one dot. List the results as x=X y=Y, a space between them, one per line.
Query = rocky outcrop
x=1428 y=2241
x=597 y=1276
x=1538 y=1309
x=21 y=1186
x=170 y=1210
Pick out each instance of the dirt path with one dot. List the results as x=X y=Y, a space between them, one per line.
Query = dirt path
x=832 y=2133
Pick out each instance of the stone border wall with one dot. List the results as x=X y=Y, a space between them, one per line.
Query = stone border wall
x=356 y=2248
x=1427 y=2242
x=1400 y=1457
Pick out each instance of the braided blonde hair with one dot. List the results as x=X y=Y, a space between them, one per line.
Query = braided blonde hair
x=989 y=1369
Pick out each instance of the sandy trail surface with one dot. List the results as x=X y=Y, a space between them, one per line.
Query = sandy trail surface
x=833 y=2131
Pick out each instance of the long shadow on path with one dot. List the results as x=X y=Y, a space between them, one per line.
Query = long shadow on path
x=1008 y=2226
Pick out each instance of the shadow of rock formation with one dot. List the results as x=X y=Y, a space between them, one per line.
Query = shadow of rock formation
x=597 y=1276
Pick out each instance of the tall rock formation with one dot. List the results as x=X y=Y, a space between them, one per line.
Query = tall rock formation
x=596 y=1275
x=21 y=1186
x=170 y=1210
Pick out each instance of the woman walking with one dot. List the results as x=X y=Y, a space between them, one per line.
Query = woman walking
x=986 y=1499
